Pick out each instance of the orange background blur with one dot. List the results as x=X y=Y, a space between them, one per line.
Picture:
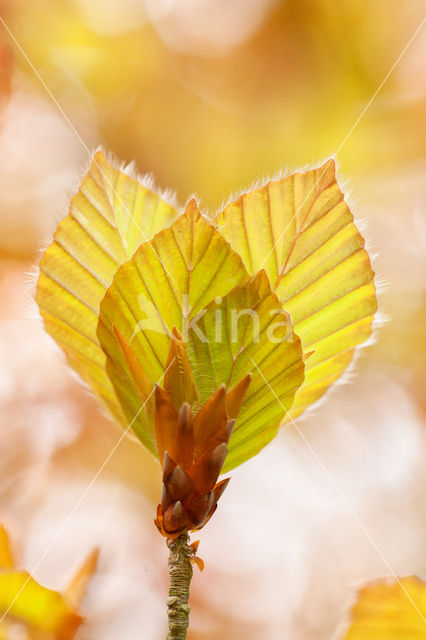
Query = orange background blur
x=209 y=95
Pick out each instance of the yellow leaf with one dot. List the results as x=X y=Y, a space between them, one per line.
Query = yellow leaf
x=178 y=379
x=390 y=611
x=235 y=397
x=301 y=231
x=76 y=590
x=109 y=217
x=6 y=558
x=248 y=332
x=140 y=379
x=165 y=285
x=45 y=614
x=41 y=609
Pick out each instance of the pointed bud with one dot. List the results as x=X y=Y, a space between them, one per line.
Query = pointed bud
x=175 y=517
x=200 y=508
x=210 y=420
x=207 y=469
x=166 y=420
x=168 y=465
x=220 y=488
x=229 y=428
x=178 y=511
x=179 y=483
x=192 y=464
x=166 y=497
x=217 y=458
x=183 y=443
x=185 y=415
x=235 y=397
x=213 y=509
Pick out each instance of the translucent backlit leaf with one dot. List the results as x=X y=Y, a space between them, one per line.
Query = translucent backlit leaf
x=109 y=217
x=165 y=285
x=6 y=558
x=235 y=397
x=123 y=274
x=234 y=335
x=76 y=590
x=248 y=332
x=390 y=611
x=178 y=379
x=41 y=609
x=301 y=231
x=45 y=614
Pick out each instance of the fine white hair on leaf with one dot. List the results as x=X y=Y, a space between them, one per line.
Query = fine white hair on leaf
x=350 y=372
x=284 y=172
x=29 y=285
x=198 y=200
x=146 y=180
x=31 y=277
x=382 y=285
x=379 y=282
x=31 y=282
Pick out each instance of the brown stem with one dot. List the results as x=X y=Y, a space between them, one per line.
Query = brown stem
x=180 y=573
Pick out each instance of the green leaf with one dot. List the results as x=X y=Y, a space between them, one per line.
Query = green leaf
x=248 y=332
x=234 y=334
x=301 y=231
x=109 y=217
x=43 y=610
x=145 y=302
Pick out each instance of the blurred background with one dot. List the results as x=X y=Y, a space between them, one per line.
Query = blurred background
x=208 y=95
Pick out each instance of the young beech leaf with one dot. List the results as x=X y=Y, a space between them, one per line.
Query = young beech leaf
x=109 y=217
x=6 y=558
x=123 y=273
x=157 y=290
x=301 y=231
x=46 y=614
x=390 y=611
x=42 y=610
x=235 y=332
x=178 y=378
x=254 y=333
x=76 y=590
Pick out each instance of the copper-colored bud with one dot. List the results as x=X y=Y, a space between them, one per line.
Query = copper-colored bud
x=193 y=448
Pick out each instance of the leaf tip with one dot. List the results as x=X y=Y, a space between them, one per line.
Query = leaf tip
x=192 y=208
